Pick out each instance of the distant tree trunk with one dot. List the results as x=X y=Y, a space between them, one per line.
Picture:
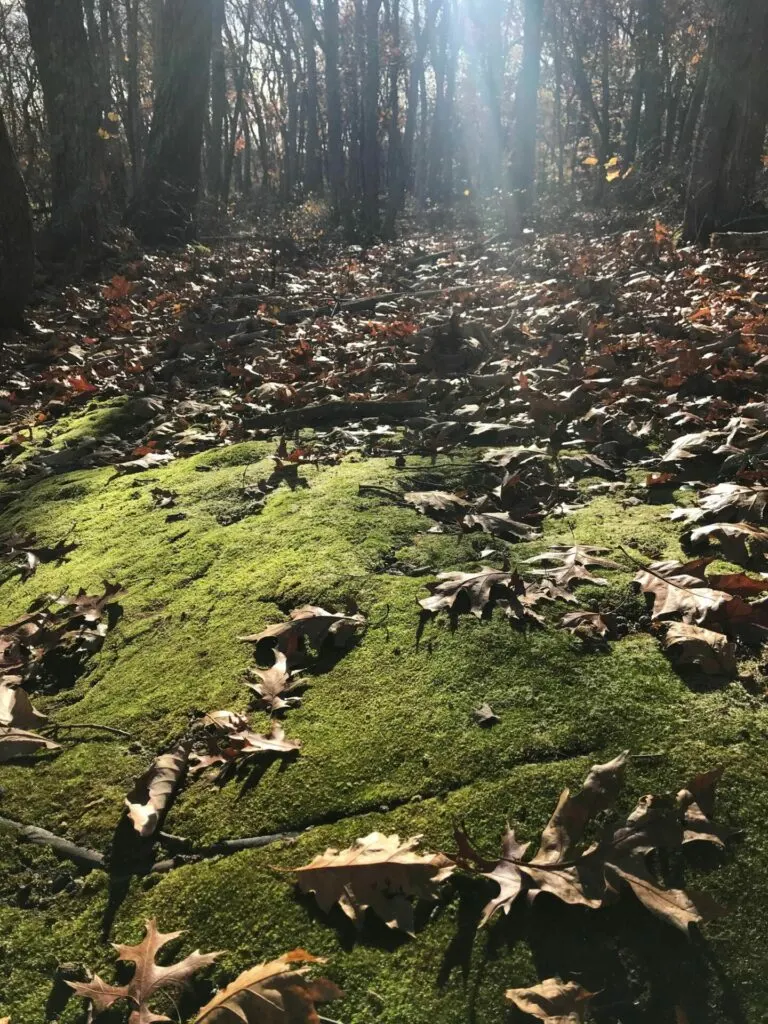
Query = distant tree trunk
x=313 y=164
x=336 y=177
x=58 y=37
x=526 y=109
x=650 y=126
x=163 y=208
x=16 y=246
x=693 y=109
x=370 y=120
x=218 y=133
x=732 y=127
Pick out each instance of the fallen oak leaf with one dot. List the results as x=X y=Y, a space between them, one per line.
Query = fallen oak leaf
x=708 y=651
x=499 y=524
x=437 y=504
x=275 y=685
x=152 y=793
x=308 y=622
x=152 y=460
x=228 y=738
x=475 y=592
x=734 y=502
x=569 y=565
x=740 y=542
x=379 y=873
x=697 y=803
x=272 y=993
x=485 y=716
x=16 y=708
x=677 y=907
x=588 y=626
x=148 y=977
x=553 y=1001
x=21 y=743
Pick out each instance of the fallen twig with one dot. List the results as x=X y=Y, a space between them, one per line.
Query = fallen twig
x=80 y=855
x=56 y=727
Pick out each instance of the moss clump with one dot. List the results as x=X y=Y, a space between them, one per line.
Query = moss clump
x=387 y=735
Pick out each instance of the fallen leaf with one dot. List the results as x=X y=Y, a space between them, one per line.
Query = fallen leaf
x=275 y=685
x=378 y=872
x=148 y=977
x=20 y=743
x=499 y=524
x=553 y=1001
x=16 y=708
x=227 y=738
x=740 y=541
x=485 y=717
x=149 y=461
x=587 y=625
x=152 y=793
x=571 y=564
x=710 y=652
x=311 y=623
x=272 y=993
x=438 y=504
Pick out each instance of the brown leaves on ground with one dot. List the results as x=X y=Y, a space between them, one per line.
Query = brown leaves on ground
x=17 y=718
x=148 y=977
x=553 y=1001
x=478 y=593
x=152 y=794
x=728 y=503
x=378 y=873
x=740 y=542
x=277 y=992
x=595 y=875
x=589 y=627
x=307 y=623
x=438 y=504
x=275 y=685
x=27 y=553
x=226 y=739
x=569 y=565
x=710 y=652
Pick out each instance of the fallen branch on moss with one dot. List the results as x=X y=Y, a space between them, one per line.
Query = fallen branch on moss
x=80 y=855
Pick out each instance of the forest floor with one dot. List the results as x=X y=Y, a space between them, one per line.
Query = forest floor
x=199 y=428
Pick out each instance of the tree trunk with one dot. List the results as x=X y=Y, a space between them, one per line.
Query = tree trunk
x=218 y=132
x=313 y=164
x=16 y=246
x=732 y=127
x=370 y=120
x=58 y=37
x=333 y=102
x=526 y=109
x=650 y=127
x=164 y=207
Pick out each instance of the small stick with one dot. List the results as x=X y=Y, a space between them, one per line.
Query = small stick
x=83 y=857
x=54 y=728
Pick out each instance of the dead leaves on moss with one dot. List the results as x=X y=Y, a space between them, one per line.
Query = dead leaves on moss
x=153 y=792
x=553 y=1001
x=594 y=875
x=308 y=623
x=226 y=739
x=379 y=873
x=272 y=993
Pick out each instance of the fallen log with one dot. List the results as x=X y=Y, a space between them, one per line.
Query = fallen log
x=735 y=241
x=339 y=412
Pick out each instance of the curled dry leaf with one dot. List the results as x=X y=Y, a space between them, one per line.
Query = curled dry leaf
x=21 y=743
x=596 y=875
x=152 y=793
x=437 y=504
x=710 y=652
x=272 y=993
x=476 y=592
x=499 y=524
x=553 y=1001
x=149 y=461
x=740 y=542
x=588 y=626
x=378 y=872
x=148 y=978
x=727 y=502
x=227 y=738
x=570 y=565
x=29 y=552
x=275 y=685
x=16 y=708
x=307 y=623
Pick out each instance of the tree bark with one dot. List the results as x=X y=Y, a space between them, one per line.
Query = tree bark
x=370 y=120
x=16 y=245
x=336 y=177
x=526 y=109
x=58 y=37
x=164 y=206
x=218 y=133
x=733 y=121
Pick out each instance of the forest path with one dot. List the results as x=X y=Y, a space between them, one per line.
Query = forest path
x=560 y=391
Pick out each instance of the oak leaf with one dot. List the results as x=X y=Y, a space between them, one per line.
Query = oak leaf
x=148 y=977
x=708 y=651
x=153 y=792
x=311 y=623
x=16 y=708
x=553 y=1001
x=228 y=738
x=21 y=743
x=275 y=685
x=438 y=504
x=477 y=592
x=740 y=541
x=378 y=872
x=727 y=502
x=271 y=993
x=571 y=565
x=499 y=524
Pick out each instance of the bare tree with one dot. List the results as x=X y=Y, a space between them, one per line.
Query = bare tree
x=16 y=247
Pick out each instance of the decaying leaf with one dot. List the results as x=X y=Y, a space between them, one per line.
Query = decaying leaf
x=307 y=623
x=438 y=504
x=149 y=461
x=553 y=1001
x=148 y=978
x=740 y=541
x=272 y=993
x=727 y=502
x=227 y=738
x=708 y=651
x=588 y=626
x=21 y=743
x=485 y=716
x=594 y=876
x=478 y=592
x=570 y=565
x=378 y=872
x=152 y=793
x=275 y=685
x=499 y=524
x=29 y=552
x=16 y=708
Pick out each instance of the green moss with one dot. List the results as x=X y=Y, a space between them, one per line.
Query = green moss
x=387 y=735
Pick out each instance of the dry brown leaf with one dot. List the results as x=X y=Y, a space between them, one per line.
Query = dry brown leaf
x=478 y=592
x=570 y=565
x=309 y=622
x=499 y=524
x=727 y=502
x=152 y=793
x=740 y=541
x=587 y=626
x=553 y=1001
x=228 y=738
x=16 y=708
x=275 y=685
x=378 y=872
x=438 y=504
x=272 y=993
x=21 y=743
x=677 y=594
x=148 y=978
x=710 y=652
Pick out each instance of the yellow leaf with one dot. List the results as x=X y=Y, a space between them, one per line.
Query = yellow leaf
x=590 y=161
x=467 y=192
x=612 y=162
x=104 y=134
x=113 y=117
x=612 y=175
